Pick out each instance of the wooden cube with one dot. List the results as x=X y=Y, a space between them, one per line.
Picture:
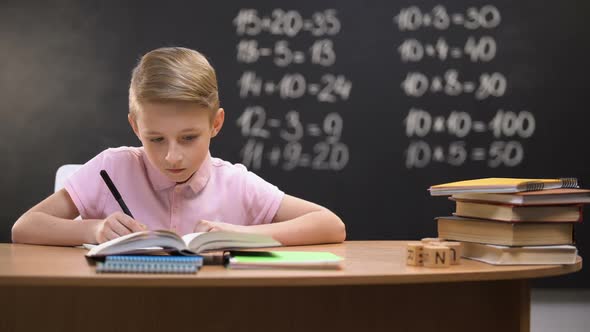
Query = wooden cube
x=428 y=240
x=456 y=251
x=436 y=256
x=414 y=254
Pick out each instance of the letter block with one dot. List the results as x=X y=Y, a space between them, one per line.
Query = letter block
x=414 y=254
x=456 y=251
x=434 y=252
x=429 y=240
x=436 y=256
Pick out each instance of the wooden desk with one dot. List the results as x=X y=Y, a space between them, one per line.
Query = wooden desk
x=55 y=289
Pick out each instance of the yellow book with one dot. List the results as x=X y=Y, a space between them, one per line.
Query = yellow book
x=500 y=185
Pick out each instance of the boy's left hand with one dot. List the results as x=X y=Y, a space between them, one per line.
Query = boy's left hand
x=215 y=226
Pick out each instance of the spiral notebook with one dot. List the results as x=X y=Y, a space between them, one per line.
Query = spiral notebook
x=501 y=185
x=149 y=264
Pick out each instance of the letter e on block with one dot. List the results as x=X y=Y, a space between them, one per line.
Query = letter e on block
x=436 y=256
x=414 y=254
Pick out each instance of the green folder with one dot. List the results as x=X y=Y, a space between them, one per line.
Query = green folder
x=283 y=259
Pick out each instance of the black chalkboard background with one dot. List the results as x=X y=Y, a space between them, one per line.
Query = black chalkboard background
x=65 y=69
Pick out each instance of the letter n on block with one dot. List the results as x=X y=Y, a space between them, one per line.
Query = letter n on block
x=437 y=256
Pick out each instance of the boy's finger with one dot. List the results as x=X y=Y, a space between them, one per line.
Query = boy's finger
x=131 y=224
x=109 y=234
x=202 y=226
x=118 y=227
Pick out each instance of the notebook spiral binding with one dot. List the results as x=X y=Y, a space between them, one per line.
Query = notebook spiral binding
x=149 y=264
x=534 y=186
x=569 y=183
x=565 y=183
x=142 y=267
x=154 y=259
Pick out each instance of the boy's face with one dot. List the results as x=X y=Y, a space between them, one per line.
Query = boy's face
x=176 y=136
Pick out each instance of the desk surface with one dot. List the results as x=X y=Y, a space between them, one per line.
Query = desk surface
x=366 y=262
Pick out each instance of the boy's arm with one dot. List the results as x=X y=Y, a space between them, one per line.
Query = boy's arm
x=51 y=222
x=297 y=222
x=300 y=222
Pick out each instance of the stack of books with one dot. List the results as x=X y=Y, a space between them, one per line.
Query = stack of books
x=506 y=221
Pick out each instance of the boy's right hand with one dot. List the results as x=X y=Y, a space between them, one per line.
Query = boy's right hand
x=116 y=225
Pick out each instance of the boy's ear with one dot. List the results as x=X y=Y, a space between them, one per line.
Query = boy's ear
x=133 y=122
x=217 y=122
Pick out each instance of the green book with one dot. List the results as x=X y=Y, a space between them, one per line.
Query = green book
x=283 y=259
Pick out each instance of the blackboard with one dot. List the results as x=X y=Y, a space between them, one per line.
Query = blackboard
x=357 y=105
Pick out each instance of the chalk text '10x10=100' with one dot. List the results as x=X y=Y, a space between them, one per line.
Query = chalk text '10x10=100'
x=504 y=123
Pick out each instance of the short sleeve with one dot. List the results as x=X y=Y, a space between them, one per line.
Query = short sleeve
x=86 y=189
x=262 y=198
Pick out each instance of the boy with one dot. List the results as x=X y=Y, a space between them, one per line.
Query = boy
x=172 y=182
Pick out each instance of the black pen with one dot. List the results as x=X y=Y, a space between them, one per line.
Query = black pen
x=220 y=258
x=115 y=192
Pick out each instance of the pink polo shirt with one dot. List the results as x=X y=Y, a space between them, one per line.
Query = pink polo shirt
x=219 y=191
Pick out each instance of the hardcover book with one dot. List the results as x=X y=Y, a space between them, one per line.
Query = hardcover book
x=190 y=244
x=505 y=233
x=515 y=213
x=528 y=255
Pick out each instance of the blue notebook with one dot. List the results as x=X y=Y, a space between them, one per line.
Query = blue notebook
x=149 y=264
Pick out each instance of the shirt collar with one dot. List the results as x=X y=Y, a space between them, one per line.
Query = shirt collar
x=198 y=181
x=160 y=182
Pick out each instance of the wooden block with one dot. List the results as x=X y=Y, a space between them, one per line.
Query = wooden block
x=414 y=253
x=436 y=256
x=456 y=251
x=428 y=240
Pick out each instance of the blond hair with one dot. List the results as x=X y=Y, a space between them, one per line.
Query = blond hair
x=173 y=74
